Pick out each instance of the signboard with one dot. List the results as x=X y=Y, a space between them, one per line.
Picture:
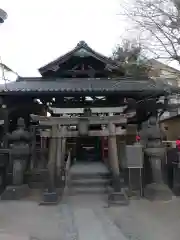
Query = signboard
x=134 y=156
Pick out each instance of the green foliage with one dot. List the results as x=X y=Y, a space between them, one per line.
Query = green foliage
x=131 y=58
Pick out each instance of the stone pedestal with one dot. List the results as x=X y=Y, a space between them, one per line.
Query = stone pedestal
x=15 y=192
x=117 y=194
x=50 y=198
x=156 y=191
x=118 y=197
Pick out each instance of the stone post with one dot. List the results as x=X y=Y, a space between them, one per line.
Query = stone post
x=155 y=151
x=59 y=161
x=59 y=157
x=63 y=153
x=112 y=150
x=50 y=195
x=117 y=196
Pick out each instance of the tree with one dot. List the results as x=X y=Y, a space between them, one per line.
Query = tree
x=130 y=55
x=158 y=25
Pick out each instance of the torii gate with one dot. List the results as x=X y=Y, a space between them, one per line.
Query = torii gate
x=59 y=131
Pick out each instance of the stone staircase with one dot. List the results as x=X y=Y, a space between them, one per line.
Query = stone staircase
x=88 y=178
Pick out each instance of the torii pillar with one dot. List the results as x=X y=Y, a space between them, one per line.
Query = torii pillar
x=117 y=195
x=112 y=150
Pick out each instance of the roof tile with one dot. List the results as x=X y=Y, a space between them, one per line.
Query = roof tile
x=83 y=85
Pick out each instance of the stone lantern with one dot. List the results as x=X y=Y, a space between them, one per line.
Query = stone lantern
x=155 y=151
x=19 y=152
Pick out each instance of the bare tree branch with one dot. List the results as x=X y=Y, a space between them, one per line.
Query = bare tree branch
x=158 y=23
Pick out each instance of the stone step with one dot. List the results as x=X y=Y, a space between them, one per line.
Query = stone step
x=86 y=190
x=100 y=182
x=78 y=176
x=36 y=185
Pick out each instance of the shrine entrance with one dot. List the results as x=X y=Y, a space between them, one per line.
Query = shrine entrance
x=84 y=144
x=62 y=131
x=88 y=149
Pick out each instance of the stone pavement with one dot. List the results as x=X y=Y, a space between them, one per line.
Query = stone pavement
x=145 y=220
x=87 y=217
x=13 y=236
x=76 y=218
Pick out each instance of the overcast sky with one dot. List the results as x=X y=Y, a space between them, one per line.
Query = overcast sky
x=38 y=31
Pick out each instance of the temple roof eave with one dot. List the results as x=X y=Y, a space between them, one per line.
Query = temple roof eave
x=87 y=86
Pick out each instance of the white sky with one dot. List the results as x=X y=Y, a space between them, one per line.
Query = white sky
x=38 y=31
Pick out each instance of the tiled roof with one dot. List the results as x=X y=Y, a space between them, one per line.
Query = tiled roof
x=83 y=85
x=80 y=45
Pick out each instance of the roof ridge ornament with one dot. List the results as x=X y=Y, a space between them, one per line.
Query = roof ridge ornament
x=82 y=44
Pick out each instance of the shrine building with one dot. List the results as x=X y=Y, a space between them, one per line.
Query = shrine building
x=85 y=104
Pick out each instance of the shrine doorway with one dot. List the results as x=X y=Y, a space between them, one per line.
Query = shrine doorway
x=88 y=149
